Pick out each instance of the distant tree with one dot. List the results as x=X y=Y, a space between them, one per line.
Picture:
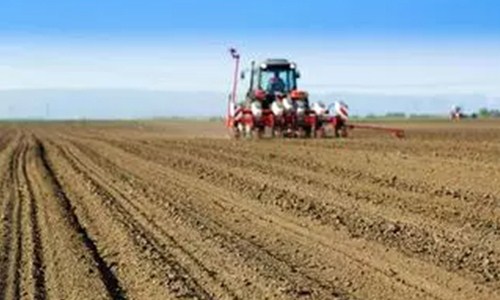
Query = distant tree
x=495 y=113
x=216 y=119
x=422 y=116
x=484 y=113
x=395 y=115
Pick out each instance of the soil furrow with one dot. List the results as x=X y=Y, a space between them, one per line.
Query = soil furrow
x=170 y=210
x=38 y=264
x=112 y=284
x=143 y=237
x=7 y=214
x=15 y=251
x=451 y=214
x=129 y=159
x=322 y=166
x=210 y=227
x=410 y=239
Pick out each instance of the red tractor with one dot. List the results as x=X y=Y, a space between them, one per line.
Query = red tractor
x=272 y=102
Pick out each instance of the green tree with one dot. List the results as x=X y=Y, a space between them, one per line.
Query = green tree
x=484 y=113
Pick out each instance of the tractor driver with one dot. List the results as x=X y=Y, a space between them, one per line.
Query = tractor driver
x=276 y=84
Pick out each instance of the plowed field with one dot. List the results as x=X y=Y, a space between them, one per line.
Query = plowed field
x=177 y=211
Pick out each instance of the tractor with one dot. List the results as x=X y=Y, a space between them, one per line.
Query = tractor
x=273 y=89
x=273 y=102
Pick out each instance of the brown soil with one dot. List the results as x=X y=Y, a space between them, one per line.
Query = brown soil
x=178 y=211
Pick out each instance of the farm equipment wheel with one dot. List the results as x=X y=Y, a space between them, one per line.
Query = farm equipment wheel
x=234 y=134
x=300 y=133
x=258 y=133
x=320 y=132
x=340 y=128
x=278 y=132
x=341 y=132
x=310 y=131
x=248 y=131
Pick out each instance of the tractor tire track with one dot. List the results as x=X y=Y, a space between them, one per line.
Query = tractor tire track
x=12 y=283
x=318 y=166
x=37 y=256
x=448 y=212
x=7 y=217
x=112 y=284
x=12 y=239
x=128 y=210
x=183 y=166
x=135 y=214
x=411 y=240
x=179 y=281
x=210 y=228
x=233 y=239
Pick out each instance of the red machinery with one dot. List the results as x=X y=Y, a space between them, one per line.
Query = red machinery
x=396 y=132
x=271 y=82
x=283 y=109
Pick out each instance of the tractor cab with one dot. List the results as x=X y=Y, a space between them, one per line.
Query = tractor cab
x=270 y=78
x=276 y=75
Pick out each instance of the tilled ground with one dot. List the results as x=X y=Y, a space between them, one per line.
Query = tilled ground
x=124 y=211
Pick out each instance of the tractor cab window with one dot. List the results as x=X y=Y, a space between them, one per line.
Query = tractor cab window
x=277 y=80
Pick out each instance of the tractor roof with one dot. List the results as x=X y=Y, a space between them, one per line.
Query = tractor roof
x=276 y=62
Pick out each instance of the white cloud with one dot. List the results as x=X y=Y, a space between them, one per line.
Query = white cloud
x=421 y=68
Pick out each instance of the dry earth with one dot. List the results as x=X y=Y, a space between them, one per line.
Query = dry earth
x=173 y=210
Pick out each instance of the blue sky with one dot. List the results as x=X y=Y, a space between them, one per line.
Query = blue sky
x=399 y=47
x=156 y=17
